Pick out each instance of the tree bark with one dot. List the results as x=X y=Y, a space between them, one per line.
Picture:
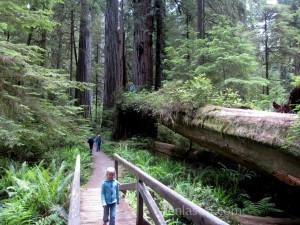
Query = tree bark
x=297 y=65
x=43 y=45
x=8 y=36
x=59 y=50
x=201 y=23
x=267 y=53
x=96 y=118
x=248 y=219
x=71 y=90
x=112 y=62
x=123 y=74
x=200 y=19
x=83 y=73
x=142 y=48
x=170 y=150
x=29 y=37
x=252 y=138
x=295 y=23
x=159 y=43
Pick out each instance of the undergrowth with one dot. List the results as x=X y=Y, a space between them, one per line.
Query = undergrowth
x=38 y=194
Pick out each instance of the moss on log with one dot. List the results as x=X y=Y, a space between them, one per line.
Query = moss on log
x=256 y=139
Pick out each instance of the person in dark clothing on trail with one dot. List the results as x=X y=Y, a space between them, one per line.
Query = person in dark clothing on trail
x=91 y=143
x=98 y=141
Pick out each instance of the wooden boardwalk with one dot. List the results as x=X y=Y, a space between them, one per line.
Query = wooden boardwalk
x=91 y=210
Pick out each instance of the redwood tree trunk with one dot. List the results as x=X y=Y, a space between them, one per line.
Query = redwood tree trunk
x=71 y=90
x=142 y=49
x=159 y=47
x=83 y=73
x=266 y=89
x=123 y=74
x=112 y=62
x=59 y=50
x=297 y=65
x=296 y=57
x=43 y=44
x=201 y=24
x=29 y=37
x=200 y=19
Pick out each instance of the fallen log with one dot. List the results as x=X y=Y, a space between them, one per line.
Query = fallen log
x=252 y=138
x=170 y=150
x=255 y=220
x=180 y=152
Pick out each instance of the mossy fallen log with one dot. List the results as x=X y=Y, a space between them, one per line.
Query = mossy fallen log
x=170 y=150
x=256 y=139
x=180 y=152
x=250 y=220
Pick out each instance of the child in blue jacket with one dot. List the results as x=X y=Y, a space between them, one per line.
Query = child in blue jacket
x=110 y=196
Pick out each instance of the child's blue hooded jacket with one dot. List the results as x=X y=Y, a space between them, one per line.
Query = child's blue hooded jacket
x=110 y=192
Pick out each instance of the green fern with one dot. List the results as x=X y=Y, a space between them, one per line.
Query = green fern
x=261 y=208
x=33 y=191
x=53 y=219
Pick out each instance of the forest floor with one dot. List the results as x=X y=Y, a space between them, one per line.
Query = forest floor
x=91 y=210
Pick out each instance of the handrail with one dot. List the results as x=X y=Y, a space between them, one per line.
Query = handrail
x=186 y=207
x=74 y=210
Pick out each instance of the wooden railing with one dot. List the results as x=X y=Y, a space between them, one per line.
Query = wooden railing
x=74 y=210
x=180 y=204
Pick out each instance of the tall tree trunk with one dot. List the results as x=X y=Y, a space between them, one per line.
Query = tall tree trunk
x=201 y=24
x=83 y=73
x=73 y=36
x=58 y=56
x=297 y=65
x=71 y=51
x=111 y=65
x=99 y=72
x=29 y=37
x=123 y=74
x=200 y=19
x=187 y=21
x=97 y=83
x=295 y=23
x=58 y=37
x=43 y=44
x=266 y=89
x=142 y=48
x=8 y=36
x=159 y=48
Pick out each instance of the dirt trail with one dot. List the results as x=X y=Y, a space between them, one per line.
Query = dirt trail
x=91 y=211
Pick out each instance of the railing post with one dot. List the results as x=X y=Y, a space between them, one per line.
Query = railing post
x=74 y=212
x=139 y=216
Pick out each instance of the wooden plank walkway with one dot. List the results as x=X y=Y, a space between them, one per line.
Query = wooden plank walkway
x=91 y=210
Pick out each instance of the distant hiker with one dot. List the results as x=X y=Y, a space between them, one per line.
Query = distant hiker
x=98 y=141
x=110 y=196
x=131 y=87
x=91 y=143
